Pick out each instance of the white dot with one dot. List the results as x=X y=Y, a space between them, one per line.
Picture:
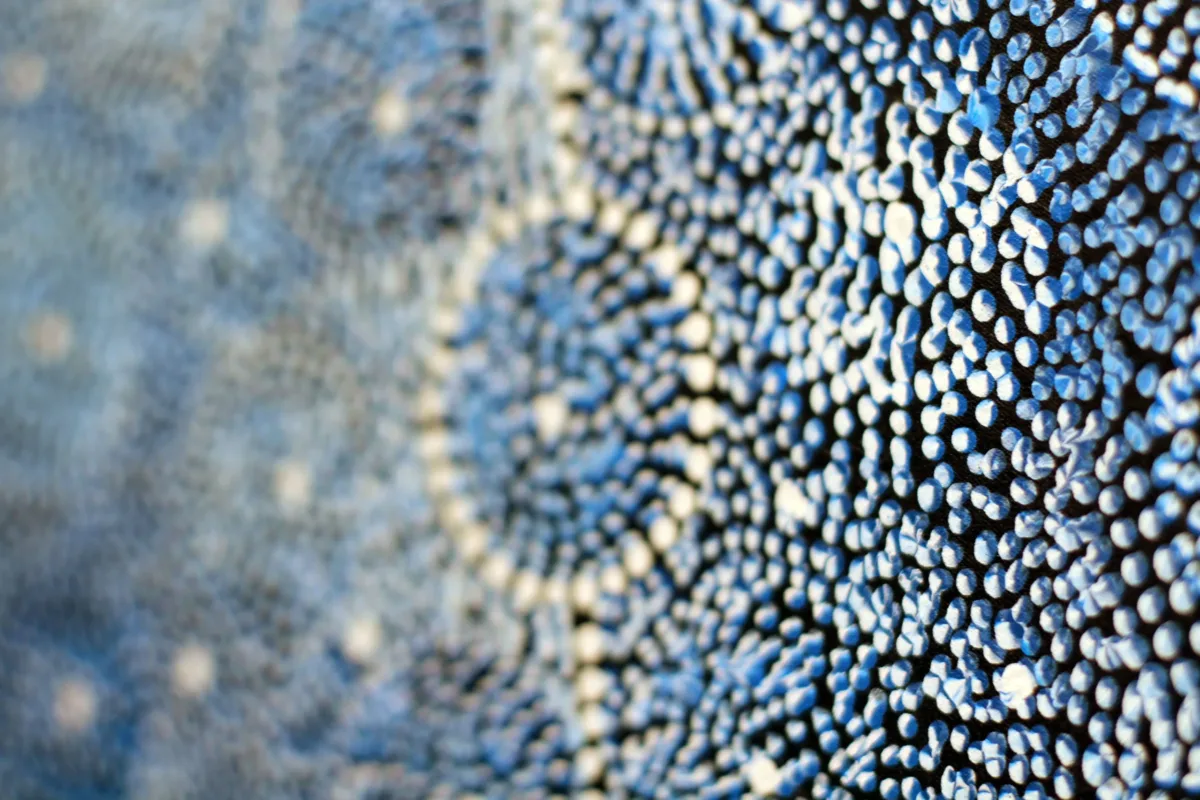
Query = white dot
x=899 y=221
x=595 y=722
x=611 y=218
x=293 y=485
x=696 y=330
x=639 y=558
x=667 y=260
x=472 y=541
x=589 y=643
x=527 y=590
x=700 y=370
x=578 y=202
x=614 y=580
x=592 y=684
x=1017 y=682
x=193 y=671
x=555 y=591
x=790 y=500
x=682 y=501
x=589 y=764
x=763 y=775
x=24 y=77
x=497 y=571
x=664 y=532
x=390 y=114
x=642 y=231
x=49 y=336
x=698 y=464
x=704 y=417
x=685 y=290
x=538 y=208
x=75 y=705
x=585 y=591
x=205 y=223
x=362 y=639
x=550 y=414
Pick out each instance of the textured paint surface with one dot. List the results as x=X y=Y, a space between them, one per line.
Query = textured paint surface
x=627 y=398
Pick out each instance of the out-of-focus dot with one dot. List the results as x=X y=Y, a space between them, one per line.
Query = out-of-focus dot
x=683 y=501
x=704 y=417
x=390 y=114
x=49 y=336
x=193 y=671
x=696 y=330
x=362 y=639
x=75 y=705
x=614 y=580
x=24 y=76
x=585 y=591
x=550 y=413
x=293 y=485
x=589 y=764
x=205 y=223
x=589 y=643
x=763 y=775
x=663 y=533
x=592 y=684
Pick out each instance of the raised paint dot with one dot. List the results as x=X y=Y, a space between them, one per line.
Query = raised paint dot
x=193 y=670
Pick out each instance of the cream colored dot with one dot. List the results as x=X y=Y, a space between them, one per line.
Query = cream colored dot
x=589 y=764
x=555 y=591
x=638 y=558
x=585 y=591
x=685 y=290
x=589 y=643
x=538 y=209
x=592 y=684
x=362 y=639
x=700 y=371
x=682 y=501
x=790 y=500
x=293 y=485
x=704 y=417
x=497 y=571
x=205 y=223
x=49 y=336
x=527 y=590
x=612 y=218
x=472 y=542
x=595 y=722
x=613 y=579
x=698 y=463
x=667 y=260
x=641 y=231
x=75 y=705
x=24 y=77
x=550 y=415
x=696 y=330
x=390 y=114
x=193 y=671
x=578 y=202
x=664 y=532
x=763 y=775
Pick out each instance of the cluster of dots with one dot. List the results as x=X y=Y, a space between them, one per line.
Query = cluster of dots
x=600 y=398
x=846 y=413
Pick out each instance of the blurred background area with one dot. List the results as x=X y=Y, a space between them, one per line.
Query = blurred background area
x=222 y=228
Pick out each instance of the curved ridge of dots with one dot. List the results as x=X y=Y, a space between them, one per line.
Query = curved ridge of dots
x=618 y=398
